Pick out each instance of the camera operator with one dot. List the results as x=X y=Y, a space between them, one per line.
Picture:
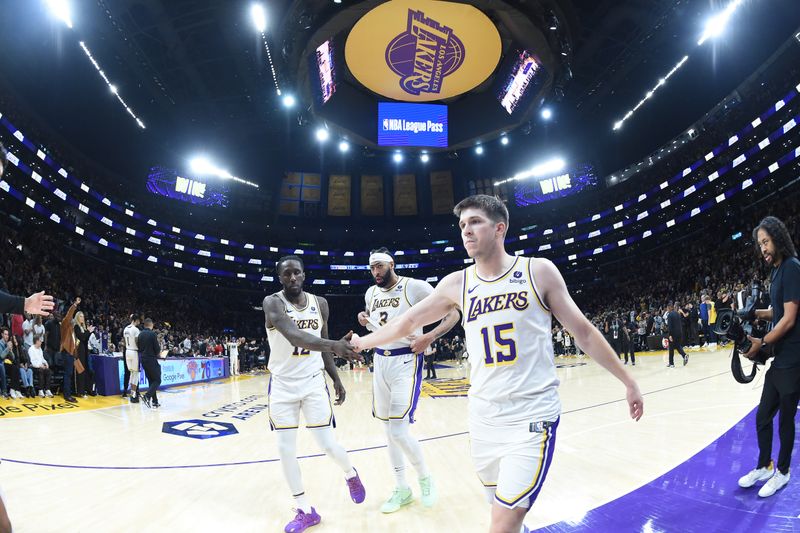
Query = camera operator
x=782 y=381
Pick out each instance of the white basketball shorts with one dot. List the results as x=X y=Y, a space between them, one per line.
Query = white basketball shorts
x=287 y=397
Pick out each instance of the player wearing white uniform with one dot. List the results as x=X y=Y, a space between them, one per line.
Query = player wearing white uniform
x=514 y=408
x=233 y=355
x=397 y=375
x=297 y=330
x=131 y=336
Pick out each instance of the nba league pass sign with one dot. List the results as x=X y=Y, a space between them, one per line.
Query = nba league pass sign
x=412 y=125
x=422 y=50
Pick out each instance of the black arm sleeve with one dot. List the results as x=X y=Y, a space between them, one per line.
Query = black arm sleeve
x=11 y=304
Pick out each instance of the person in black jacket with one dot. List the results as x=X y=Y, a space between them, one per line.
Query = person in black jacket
x=675 y=332
x=85 y=379
x=149 y=349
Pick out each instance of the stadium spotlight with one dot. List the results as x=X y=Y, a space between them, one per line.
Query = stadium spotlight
x=424 y=158
x=504 y=140
x=322 y=135
x=344 y=146
x=288 y=101
x=397 y=157
x=479 y=149
x=259 y=16
x=201 y=165
x=547 y=114
x=60 y=9
x=113 y=89
x=716 y=24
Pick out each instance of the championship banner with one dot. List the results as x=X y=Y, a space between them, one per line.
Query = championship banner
x=290 y=193
x=422 y=50
x=442 y=192
x=312 y=187
x=372 y=195
x=405 y=195
x=339 y=196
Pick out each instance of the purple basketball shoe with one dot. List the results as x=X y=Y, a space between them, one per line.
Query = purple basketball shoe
x=357 y=490
x=303 y=521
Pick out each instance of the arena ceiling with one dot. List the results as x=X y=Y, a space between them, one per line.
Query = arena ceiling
x=198 y=75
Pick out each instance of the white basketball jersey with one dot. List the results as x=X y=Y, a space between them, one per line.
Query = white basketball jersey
x=508 y=335
x=233 y=349
x=131 y=334
x=386 y=304
x=287 y=361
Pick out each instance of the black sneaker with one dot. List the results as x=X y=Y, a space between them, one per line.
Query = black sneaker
x=146 y=399
x=70 y=399
x=92 y=393
x=156 y=405
x=685 y=359
x=134 y=399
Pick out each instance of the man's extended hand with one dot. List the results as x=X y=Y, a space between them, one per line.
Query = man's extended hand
x=421 y=343
x=39 y=303
x=344 y=348
x=362 y=318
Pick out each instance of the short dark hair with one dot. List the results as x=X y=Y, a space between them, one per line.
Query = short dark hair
x=286 y=258
x=778 y=233
x=381 y=250
x=3 y=156
x=36 y=338
x=493 y=206
x=148 y=321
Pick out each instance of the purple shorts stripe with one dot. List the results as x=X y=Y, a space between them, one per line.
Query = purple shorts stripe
x=531 y=494
x=417 y=387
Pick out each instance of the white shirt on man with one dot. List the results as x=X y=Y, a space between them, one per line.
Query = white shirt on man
x=36 y=356
x=27 y=330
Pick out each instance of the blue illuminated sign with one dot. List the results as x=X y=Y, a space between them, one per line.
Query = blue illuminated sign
x=412 y=125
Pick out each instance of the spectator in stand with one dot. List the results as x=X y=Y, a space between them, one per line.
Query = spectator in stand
x=25 y=370
x=52 y=339
x=85 y=381
x=27 y=332
x=40 y=367
x=16 y=325
x=704 y=308
x=95 y=341
x=38 y=328
x=11 y=362
x=68 y=351
x=675 y=335
x=5 y=349
x=692 y=317
x=629 y=342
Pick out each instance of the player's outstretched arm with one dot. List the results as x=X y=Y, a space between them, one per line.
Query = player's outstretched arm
x=275 y=316
x=434 y=307
x=558 y=299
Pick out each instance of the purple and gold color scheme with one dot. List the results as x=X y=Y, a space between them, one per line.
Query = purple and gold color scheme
x=419 y=50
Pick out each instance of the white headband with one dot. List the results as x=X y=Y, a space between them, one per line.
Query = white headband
x=380 y=257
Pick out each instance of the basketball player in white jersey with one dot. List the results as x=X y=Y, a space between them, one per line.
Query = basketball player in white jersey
x=131 y=334
x=508 y=304
x=233 y=354
x=397 y=373
x=297 y=330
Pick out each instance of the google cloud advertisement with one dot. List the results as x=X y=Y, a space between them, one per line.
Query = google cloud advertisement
x=412 y=125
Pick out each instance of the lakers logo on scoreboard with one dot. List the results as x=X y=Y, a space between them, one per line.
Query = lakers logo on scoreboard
x=424 y=54
x=420 y=51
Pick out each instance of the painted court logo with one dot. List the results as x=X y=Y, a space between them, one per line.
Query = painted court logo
x=424 y=54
